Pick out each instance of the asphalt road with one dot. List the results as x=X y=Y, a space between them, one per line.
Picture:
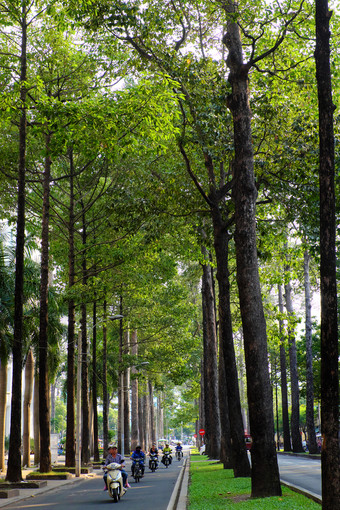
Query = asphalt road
x=304 y=473
x=152 y=492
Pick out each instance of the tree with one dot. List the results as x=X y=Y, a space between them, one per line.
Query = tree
x=210 y=373
x=329 y=312
x=287 y=445
x=29 y=375
x=19 y=16
x=264 y=474
x=312 y=445
x=294 y=379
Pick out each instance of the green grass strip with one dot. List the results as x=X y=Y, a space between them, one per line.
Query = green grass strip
x=213 y=488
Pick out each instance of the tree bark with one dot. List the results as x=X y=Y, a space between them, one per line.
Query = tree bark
x=152 y=416
x=29 y=378
x=134 y=395
x=312 y=445
x=141 y=420
x=146 y=418
x=36 y=419
x=70 y=454
x=105 y=393
x=264 y=474
x=44 y=412
x=225 y=450
x=294 y=379
x=126 y=393
x=240 y=459
x=94 y=385
x=3 y=397
x=210 y=372
x=14 y=473
x=85 y=435
x=287 y=446
x=329 y=313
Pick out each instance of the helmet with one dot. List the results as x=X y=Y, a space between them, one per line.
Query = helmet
x=111 y=446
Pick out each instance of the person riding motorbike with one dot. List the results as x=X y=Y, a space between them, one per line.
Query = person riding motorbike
x=179 y=448
x=167 y=449
x=114 y=456
x=138 y=454
x=153 y=451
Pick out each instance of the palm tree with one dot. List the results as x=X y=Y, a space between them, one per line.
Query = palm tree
x=6 y=323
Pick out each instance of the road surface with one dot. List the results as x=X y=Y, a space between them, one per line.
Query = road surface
x=153 y=492
x=302 y=472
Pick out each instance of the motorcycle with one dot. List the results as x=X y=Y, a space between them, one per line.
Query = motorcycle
x=137 y=471
x=166 y=459
x=114 y=481
x=179 y=454
x=153 y=462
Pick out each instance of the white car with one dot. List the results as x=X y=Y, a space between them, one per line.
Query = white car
x=202 y=449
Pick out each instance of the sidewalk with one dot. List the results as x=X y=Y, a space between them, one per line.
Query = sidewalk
x=47 y=485
x=23 y=494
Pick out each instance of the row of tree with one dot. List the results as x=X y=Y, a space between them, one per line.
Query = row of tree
x=125 y=187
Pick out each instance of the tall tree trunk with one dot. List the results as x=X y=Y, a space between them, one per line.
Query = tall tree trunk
x=264 y=474
x=94 y=385
x=201 y=418
x=294 y=380
x=161 y=416
x=312 y=445
x=14 y=453
x=70 y=454
x=126 y=393
x=52 y=389
x=44 y=414
x=121 y=422
x=146 y=418
x=36 y=420
x=85 y=435
x=141 y=419
x=210 y=372
x=287 y=446
x=91 y=423
x=3 y=398
x=105 y=393
x=329 y=313
x=29 y=378
x=240 y=459
x=134 y=395
x=152 y=415
x=225 y=450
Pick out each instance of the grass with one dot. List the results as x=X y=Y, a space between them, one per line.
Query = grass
x=212 y=488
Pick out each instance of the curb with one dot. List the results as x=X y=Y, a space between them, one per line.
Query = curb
x=304 y=492
x=179 y=494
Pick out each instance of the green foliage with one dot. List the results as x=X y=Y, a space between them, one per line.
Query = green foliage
x=58 y=424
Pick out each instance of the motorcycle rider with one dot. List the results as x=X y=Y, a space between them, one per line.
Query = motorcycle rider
x=167 y=449
x=114 y=456
x=179 y=448
x=138 y=454
x=153 y=451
